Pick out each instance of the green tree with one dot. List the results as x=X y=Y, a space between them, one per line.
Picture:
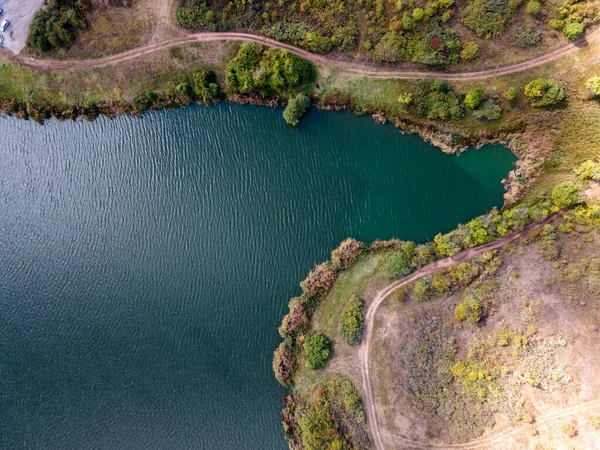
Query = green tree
x=57 y=24
x=353 y=321
x=204 y=85
x=295 y=109
x=544 y=92
x=474 y=98
x=565 y=194
x=317 y=347
x=573 y=30
x=396 y=266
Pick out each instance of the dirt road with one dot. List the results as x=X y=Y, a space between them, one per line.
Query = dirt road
x=352 y=67
x=365 y=348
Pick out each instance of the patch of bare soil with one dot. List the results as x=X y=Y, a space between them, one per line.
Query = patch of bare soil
x=520 y=379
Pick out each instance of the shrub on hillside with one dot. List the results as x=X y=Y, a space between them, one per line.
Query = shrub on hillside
x=533 y=7
x=565 y=194
x=488 y=110
x=57 y=24
x=317 y=347
x=526 y=36
x=284 y=364
x=353 y=321
x=435 y=100
x=470 y=51
x=593 y=86
x=574 y=30
x=422 y=289
x=468 y=309
x=297 y=320
x=346 y=253
x=594 y=421
x=319 y=280
x=568 y=430
x=589 y=170
x=510 y=94
x=544 y=92
x=266 y=72
x=333 y=420
x=474 y=98
x=295 y=109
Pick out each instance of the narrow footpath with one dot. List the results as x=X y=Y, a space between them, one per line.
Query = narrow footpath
x=352 y=67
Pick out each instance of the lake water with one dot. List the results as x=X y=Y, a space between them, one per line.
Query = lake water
x=145 y=264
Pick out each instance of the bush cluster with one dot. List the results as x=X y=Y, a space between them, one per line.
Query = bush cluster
x=488 y=110
x=543 y=92
x=266 y=72
x=526 y=36
x=57 y=24
x=200 y=86
x=489 y=18
x=593 y=86
x=588 y=170
x=334 y=420
x=468 y=309
x=435 y=100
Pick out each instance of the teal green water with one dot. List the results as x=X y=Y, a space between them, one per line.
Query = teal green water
x=146 y=263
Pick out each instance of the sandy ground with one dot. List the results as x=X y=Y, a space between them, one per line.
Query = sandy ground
x=20 y=14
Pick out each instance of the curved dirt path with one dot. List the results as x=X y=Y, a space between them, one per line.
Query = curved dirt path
x=368 y=71
x=365 y=348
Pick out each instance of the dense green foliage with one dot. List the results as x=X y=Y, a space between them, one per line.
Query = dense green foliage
x=266 y=72
x=511 y=93
x=295 y=109
x=574 y=30
x=533 y=7
x=317 y=347
x=470 y=51
x=204 y=86
x=468 y=309
x=387 y=31
x=433 y=99
x=593 y=86
x=396 y=266
x=565 y=194
x=56 y=24
x=588 y=170
x=474 y=98
x=353 y=321
x=334 y=420
x=488 y=18
x=488 y=110
x=544 y=92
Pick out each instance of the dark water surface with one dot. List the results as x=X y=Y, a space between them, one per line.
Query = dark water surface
x=145 y=264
